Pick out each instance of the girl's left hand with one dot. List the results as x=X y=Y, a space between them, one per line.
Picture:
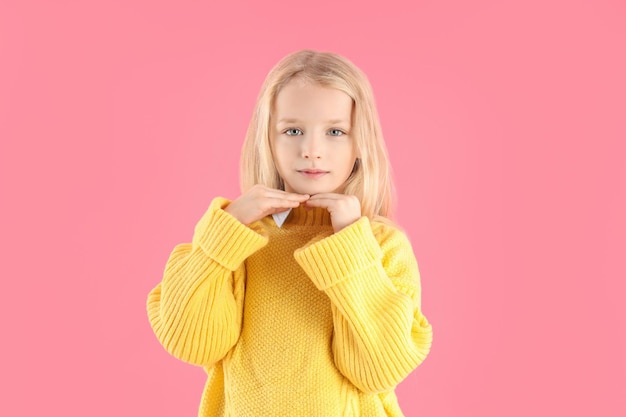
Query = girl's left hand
x=344 y=209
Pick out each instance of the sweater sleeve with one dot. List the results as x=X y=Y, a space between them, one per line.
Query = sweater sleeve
x=372 y=280
x=196 y=310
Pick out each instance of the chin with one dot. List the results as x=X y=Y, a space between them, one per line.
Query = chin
x=312 y=189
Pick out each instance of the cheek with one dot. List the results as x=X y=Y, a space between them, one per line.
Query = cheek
x=282 y=155
x=349 y=154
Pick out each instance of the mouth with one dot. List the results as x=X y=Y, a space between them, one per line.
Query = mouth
x=313 y=173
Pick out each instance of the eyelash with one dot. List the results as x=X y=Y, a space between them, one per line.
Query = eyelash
x=286 y=132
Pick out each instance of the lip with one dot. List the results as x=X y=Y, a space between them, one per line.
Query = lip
x=313 y=173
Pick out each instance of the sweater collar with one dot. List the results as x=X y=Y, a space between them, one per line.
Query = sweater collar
x=301 y=216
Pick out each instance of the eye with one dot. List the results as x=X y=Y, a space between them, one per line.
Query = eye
x=336 y=132
x=293 y=132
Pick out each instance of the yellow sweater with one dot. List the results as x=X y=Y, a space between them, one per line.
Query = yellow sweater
x=293 y=321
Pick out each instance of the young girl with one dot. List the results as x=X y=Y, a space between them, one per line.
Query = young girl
x=299 y=297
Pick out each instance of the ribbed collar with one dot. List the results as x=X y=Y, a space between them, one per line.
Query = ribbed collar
x=302 y=217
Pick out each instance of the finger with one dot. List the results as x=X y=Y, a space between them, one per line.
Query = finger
x=285 y=195
x=332 y=196
x=296 y=197
x=279 y=203
x=320 y=202
x=328 y=197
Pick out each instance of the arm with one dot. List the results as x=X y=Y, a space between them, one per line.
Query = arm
x=372 y=280
x=196 y=310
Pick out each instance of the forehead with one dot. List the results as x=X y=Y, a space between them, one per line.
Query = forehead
x=301 y=100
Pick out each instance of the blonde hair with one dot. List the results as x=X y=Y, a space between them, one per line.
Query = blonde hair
x=371 y=179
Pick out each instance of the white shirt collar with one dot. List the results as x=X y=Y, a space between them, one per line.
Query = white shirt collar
x=279 y=218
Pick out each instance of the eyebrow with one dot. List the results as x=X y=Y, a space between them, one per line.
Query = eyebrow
x=332 y=122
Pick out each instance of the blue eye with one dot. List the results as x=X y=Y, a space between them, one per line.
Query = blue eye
x=335 y=132
x=293 y=132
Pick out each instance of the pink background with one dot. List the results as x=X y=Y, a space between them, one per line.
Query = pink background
x=505 y=121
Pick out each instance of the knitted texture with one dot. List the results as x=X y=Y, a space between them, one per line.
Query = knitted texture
x=293 y=321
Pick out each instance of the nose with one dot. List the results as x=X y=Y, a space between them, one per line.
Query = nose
x=312 y=147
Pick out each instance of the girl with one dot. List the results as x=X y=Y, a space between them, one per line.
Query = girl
x=299 y=297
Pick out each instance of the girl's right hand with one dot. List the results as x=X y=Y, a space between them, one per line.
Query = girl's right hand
x=260 y=201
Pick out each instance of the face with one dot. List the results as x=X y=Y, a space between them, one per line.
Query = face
x=310 y=135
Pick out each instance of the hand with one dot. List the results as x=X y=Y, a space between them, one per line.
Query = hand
x=344 y=209
x=260 y=201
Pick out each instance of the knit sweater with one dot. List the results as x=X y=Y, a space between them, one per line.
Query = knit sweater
x=293 y=321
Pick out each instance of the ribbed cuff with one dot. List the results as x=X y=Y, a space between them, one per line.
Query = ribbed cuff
x=341 y=255
x=224 y=238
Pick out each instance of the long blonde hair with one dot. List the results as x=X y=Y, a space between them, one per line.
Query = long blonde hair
x=371 y=179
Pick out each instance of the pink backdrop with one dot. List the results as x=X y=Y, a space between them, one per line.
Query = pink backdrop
x=120 y=120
